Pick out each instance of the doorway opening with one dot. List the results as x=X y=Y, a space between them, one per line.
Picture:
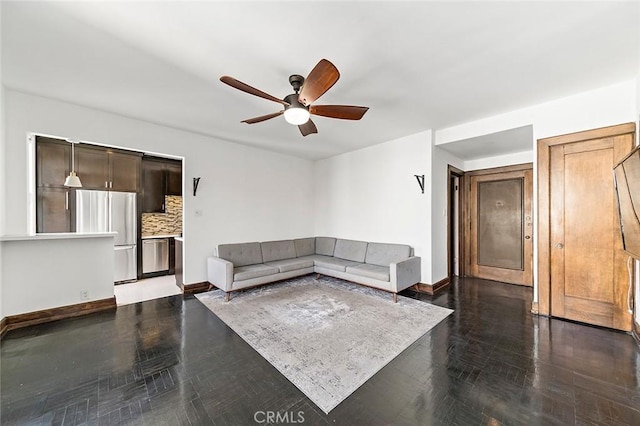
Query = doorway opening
x=455 y=219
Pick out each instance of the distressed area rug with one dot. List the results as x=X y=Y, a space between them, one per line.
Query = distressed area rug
x=328 y=337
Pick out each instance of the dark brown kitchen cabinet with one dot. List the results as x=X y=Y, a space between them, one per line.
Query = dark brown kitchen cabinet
x=53 y=161
x=153 y=186
x=52 y=210
x=160 y=177
x=174 y=178
x=124 y=171
x=106 y=169
x=92 y=166
x=172 y=256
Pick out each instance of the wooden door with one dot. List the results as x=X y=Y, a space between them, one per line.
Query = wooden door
x=501 y=225
x=124 y=171
x=92 y=167
x=589 y=278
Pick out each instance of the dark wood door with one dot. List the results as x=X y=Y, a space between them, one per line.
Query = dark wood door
x=153 y=186
x=52 y=210
x=589 y=278
x=124 y=171
x=92 y=167
x=174 y=178
x=53 y=161
x=501 y=226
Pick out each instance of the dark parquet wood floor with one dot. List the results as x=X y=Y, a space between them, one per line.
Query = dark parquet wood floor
x=172 y=362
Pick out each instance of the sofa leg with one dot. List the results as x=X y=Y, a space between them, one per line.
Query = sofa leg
x=227 y=296
x=395 y=297
x=317 y=277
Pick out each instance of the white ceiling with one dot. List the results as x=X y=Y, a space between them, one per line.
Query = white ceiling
x=510 y=141
x=417 y=65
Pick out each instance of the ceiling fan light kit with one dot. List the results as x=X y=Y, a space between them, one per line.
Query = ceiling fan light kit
x=297 y=106
x=295 y=113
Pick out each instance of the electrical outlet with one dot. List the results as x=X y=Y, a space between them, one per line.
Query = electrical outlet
x=84 y=295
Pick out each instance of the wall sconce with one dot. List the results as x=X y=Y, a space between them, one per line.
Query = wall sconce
x=420 y=179
x=196 y=181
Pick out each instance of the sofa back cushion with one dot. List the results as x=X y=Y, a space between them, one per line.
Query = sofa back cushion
x=278 y=250
x=241 y=254
x=351 y=250
x=384 y=254
x=325 y=245
x=305 y=246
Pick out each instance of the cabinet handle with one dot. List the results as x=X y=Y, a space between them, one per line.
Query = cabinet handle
x=66 y=200
x=111 y=184
x=106 y=184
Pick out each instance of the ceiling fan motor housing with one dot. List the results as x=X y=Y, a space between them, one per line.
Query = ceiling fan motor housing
x=296 y=81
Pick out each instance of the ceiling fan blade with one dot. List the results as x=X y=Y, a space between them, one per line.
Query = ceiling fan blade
x=308 y=128
x=237 y=84
x=320 y=79
x=262 y=118
x=345 y=112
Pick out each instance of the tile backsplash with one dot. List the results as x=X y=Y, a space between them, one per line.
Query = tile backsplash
x=167 y=223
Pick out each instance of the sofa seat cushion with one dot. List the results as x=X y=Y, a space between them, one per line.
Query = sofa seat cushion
x=334 y=263
x=371 y=271
x=294 y=264
x=253 y=271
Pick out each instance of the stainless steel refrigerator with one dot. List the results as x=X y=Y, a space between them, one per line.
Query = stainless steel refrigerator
x=106 y=211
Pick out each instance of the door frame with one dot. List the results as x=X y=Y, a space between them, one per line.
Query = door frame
x=543 y=306
x=467 y=203
x=453 y=172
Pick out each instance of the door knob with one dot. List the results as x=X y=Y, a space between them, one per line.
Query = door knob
x=526 y=237
x=559 y=245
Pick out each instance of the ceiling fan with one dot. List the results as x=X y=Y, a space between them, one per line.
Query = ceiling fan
x=297 y=106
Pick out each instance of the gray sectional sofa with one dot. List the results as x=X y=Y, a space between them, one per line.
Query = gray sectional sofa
x=388 y=267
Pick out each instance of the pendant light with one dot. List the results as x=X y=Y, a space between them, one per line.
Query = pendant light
x=72 y=180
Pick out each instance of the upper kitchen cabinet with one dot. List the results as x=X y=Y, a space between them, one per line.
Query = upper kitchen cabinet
x=160 y=177
x=153 y=186
x=125 y=171
x=174 y=178
x=107 y=169
x=53 y=161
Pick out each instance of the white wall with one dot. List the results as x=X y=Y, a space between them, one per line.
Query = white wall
x=601 y=107
x=2 y=166
x=372 y=195
x=245 y=194
x=42 y=274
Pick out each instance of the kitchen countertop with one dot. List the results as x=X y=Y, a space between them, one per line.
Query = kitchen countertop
x=148 y=237
x=57 y=236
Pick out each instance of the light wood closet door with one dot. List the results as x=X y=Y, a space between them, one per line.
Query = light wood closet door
x=589 y=278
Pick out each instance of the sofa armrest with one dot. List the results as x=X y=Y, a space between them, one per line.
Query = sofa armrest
x=405 y=273
x=220 y=273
